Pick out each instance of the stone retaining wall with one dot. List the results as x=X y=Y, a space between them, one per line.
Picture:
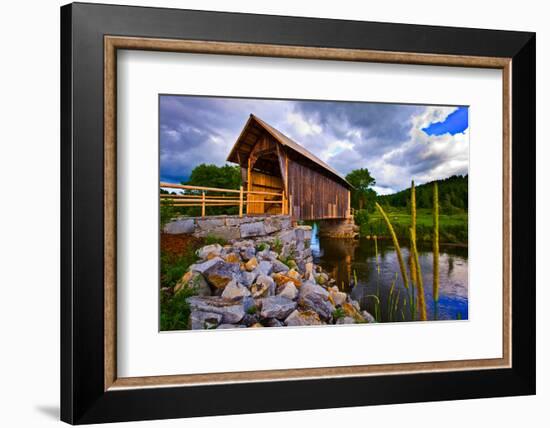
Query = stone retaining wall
x=233 y=227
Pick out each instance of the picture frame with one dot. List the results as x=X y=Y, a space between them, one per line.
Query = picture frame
x=91 y=391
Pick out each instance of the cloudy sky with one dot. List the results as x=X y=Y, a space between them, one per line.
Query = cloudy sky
x=396 y=142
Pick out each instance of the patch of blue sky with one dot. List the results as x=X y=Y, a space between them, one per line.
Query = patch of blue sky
x=456 y=122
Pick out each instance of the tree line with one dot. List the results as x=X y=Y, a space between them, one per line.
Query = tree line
x=453 y=193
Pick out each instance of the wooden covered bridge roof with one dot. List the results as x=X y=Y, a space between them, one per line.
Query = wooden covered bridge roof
x=255 y=128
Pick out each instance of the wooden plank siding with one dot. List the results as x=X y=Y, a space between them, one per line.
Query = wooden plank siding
x=315 y=195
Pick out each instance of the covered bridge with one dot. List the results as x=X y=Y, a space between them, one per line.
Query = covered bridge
x=272 y=162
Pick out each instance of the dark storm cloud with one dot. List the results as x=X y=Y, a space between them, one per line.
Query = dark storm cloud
x=376 y=127
x=192 y=131
x=390 y=122
x=195 y=130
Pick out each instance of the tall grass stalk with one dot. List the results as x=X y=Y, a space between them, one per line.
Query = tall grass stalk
x=420 y=284
x=413 y=227
x=390 y=300
x=377 y=315
x=376 y=253
x=412 y=299
x=412 y=265
x=436 y=244
x=396 y=303
x=396 y=245
x=376 y=306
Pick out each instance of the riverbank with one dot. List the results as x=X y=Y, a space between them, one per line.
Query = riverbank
x=453 y=228
x=263 y=282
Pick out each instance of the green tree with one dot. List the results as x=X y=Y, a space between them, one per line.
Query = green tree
x=362 y=195
x=453 y=191
x=223 y=177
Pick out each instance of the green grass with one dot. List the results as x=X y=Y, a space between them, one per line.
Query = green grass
x=252 y=310
x=175 y=310
x=212 y=239
x=262 y=246
x=172 y=268
x=453 y=228
x=277 y=245
x=338 y=313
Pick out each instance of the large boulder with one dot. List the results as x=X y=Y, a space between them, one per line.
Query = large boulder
x=285 y=222
x=248 y=252
x=199 y=320
x=277 y=307
x=288 y=290
x=207 y=224
x=309 y=287
x=315 y=297
x=235 y=221
x=234 y=290
x=231 y=311
x=352 y=311
x=223 y=232
x=180 y=225
x=248 y=278
x=279 y=267
x=252 y=229
x=281 y=279
x=294 y=274
x=232 y=258
x=204 y=266
x=287 y=236
x=302 y=318
x=264 y=286
x=338 y=297
x=273 y=322
x=265 y=267
x=207 y=251
x=220 y=274
x=272 y=224
x=251 y=264
x=194 y=281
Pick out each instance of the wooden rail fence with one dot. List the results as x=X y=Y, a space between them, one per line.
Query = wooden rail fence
x=200 y=196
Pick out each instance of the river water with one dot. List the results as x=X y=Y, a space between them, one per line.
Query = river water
x=347 y=259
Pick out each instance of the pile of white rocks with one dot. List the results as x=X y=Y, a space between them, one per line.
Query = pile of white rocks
x=249 y=284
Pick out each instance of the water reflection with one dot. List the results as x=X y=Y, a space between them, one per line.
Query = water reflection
x=348 y=261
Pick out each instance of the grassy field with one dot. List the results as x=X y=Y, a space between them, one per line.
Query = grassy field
x=453 y=228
